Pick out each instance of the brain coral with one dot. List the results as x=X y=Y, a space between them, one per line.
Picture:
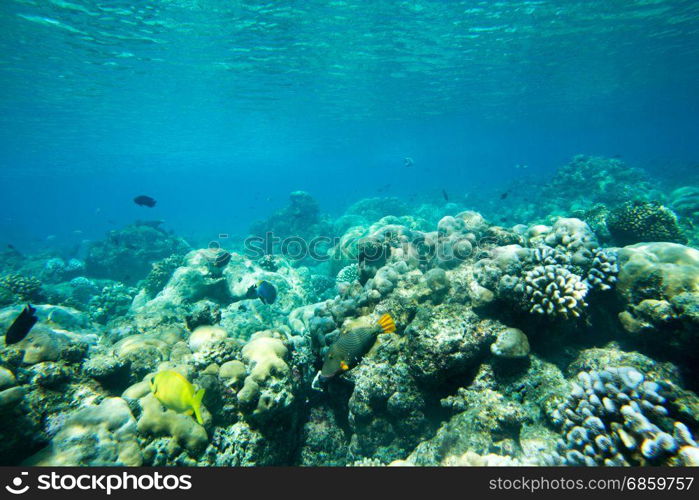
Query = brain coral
x=638 y=221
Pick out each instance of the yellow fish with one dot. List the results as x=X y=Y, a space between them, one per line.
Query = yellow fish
x=175 y=392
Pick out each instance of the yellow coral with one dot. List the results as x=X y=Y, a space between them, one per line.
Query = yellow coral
x=264 y=355
x=183 y=429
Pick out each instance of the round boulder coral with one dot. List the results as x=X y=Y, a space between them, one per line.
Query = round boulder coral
x=639 y=221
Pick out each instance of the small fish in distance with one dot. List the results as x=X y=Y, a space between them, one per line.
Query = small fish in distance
x=144 y=201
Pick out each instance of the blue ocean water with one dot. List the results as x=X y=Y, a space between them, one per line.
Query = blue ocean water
x=218 y=109
x=384 y=232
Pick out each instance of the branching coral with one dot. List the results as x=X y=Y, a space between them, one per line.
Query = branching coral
x=554 y=291
x=616 y=417
x=575 y=238
x=603 y=271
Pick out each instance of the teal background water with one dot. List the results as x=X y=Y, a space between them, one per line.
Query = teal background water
x=218 y=109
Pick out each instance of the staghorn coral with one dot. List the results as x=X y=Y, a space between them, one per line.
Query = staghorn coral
x=617 y=417
x=641 y=221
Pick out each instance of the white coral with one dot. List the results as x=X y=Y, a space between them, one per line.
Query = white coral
x=554 y=291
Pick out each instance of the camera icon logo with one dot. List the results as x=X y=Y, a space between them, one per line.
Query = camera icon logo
x=16 y=487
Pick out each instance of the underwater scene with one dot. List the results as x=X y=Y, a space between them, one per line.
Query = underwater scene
x=349 y=233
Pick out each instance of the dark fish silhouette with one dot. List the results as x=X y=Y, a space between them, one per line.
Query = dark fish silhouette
x=21 y=325
x=263 y=290
x=144 y=201
x=445 y=195
x=504 y=195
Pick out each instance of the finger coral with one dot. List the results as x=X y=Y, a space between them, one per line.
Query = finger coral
x=555 y=291
x=617 y=417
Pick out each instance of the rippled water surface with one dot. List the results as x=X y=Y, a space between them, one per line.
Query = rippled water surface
x=347 y=88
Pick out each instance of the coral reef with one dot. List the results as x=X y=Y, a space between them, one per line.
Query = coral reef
x=99 y=435
x=555 y=291
x=160 y=274
x=284 y=232
x=526 y=344
x=685 y=201
x=111 y=302
x=658 y=284
x=266 y=390
x=127 y=254
x=57 y=270
x=606 y=180
x=617 y=417
x=18 y=288
x=640 y=221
